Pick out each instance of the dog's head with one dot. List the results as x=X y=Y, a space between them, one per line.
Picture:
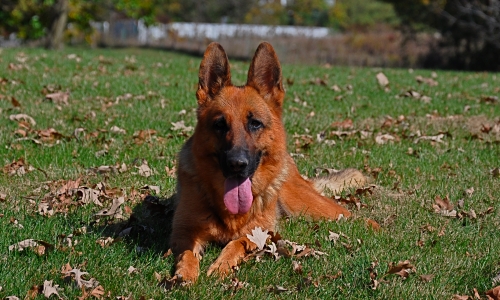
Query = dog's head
x=240 y=126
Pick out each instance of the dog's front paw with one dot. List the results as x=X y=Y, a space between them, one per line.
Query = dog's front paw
x=223 y=266
x=187 y=268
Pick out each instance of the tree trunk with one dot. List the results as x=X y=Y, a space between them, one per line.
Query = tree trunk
x=60 y=18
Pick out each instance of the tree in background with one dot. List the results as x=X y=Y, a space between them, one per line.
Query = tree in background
x=470 y=29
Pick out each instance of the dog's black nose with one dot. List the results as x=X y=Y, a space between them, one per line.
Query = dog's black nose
x=237 y=163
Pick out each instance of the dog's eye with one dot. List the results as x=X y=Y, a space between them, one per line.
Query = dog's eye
x=255 y=125
x=220 y=125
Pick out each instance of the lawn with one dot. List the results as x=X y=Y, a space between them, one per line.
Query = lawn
x=82 y=129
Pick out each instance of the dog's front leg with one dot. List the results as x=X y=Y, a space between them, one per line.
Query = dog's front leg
x=231 y=256
x=187 y=268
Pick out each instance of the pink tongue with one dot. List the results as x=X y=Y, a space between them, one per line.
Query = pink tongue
x=238 y=195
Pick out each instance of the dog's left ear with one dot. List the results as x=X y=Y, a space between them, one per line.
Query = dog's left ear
x=264 y=75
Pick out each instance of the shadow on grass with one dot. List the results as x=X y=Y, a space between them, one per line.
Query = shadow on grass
x=147 y=229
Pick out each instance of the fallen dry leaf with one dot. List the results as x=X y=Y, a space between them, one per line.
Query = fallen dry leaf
x=259 y=237
x=429 y=81
x=50 y=289
x=114 y=211
x=382 y=79
x=22 y=117
x=403 y=268
x=144 y=169
x=460 y=297
x=180 y=126
x=80 y=282
x=58 y=97
x=384 y=138
x=427 y=277
x=436 y=138
x=117 y=130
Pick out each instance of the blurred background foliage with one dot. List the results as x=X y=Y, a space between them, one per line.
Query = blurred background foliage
x=470 y=29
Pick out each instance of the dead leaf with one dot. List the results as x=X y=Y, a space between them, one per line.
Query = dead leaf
x=50 y=289
x=297 y=267
x=384 y=138
x=259 y=237
x=235 y=285
x=3 y=197
x=436 y=138
x=277 y=289
x=22 y=117
x=429 y=81
x=180 y=126
x=144 y=169
x=58 y=97
x=460 y=297
x=403 y=268
x=468 y=192
x=117 y=130
x=114 y=211
x=131 y=270
x=427 y=277
x=97 y=292
x=80 y=282
x=495 y=172
x=382 y=79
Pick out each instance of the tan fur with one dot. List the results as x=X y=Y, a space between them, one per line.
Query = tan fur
x=277 y=187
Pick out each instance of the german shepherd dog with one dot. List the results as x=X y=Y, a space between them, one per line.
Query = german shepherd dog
x=234 y=173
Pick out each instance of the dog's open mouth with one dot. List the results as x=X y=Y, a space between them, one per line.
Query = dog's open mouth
x=238 y=195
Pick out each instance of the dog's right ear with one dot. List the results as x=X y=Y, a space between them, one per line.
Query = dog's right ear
x=214 y=73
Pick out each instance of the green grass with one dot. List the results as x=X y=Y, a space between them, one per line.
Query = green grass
x=162 y=84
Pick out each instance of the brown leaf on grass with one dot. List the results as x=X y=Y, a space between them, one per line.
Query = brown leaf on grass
x=97 y=292
x=50 y=289
x=14 y=102
x=460 y=297
x=180 y=126
x=114 y=211
x=49 y=135
x=87 y=195
x=297 y=267
x=58 y=97
x=18 y=167
x=403 y=268
x=3 y=197
x=277 y=289
x=344 y=124
x=259 y=237
x=429 y=81
x=144 y=169
x=426 y=277
x=494 y=293
x=382 y=79
x=385 y=138
x=37 y=246
x=476 y=294
x=117 y=130
x=142 y=136
x=76 y=275
x=22 y=117
x=495 y=172
x=235 y=285
x=444 y=207
x=435 y=139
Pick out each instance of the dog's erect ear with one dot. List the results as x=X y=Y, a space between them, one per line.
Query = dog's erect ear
x=264 y=74
x=214 y=73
